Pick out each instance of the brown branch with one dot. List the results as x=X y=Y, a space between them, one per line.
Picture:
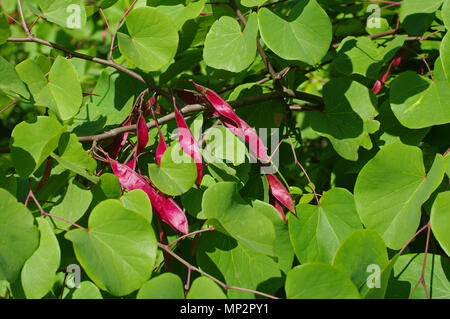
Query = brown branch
x=110 y=63
x=192 y=108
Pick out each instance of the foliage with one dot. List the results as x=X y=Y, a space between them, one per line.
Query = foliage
x=230 y=149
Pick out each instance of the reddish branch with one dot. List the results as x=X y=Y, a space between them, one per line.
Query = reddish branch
x=223 y=285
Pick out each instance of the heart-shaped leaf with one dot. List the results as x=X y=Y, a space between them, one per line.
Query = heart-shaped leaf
x=348 y=118
x=61 y=93
x=305 y=36
x=418 y=102
x=391 y=188
x=152 y=41
x=353 y=256
x=227 y=47
x=223 y=203
x=118 y=251
x=177 y=173
x=319 y=231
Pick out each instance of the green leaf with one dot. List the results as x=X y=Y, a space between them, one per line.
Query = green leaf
x=111 y=104
x=407 y=272
x=357 y=252
x=224 y=258
x=39 y=271
x=75 y=203
x=243 y=222
x=177 y=173
x=445 y=10
x=222 y=143
x=87 y=290
x=152 y=41
x=19 y=238
x=5 y=32
x=106 y=3
x=440 y=220
x=319 y=281
x=66 y=13
x=391 y=188
x=10 y=83
x=137 y=200
x=416 y=16
x=227 y=48
x=205 y=288
x=418 y=102
x=61 y=93
x=304 y=36
x=107 y=187
x=444 y=51
x=32 y=142
x=379 y=291
x=252 y=3
x=392 y=131
x=178 y=11
x=123 y=241
x=319 y=231
x=282 y=245
x=75 y=158
x=348 y=118
x=362 y=56
x=164 y=286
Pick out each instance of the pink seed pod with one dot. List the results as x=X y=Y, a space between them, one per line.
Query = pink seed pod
x=280 y=192
x=377 y=87
x=119 y=141
x=234 y=123
x=166 y=208
x=188 y=143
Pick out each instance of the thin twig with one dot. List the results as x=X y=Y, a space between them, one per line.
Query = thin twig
x=303 y=169
x=43 y=213
x=78 y=55
x=190 y=234
x=192 y=108
x=223 y=285
x=7 y=107
x=24 y=24
x=113 y=37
